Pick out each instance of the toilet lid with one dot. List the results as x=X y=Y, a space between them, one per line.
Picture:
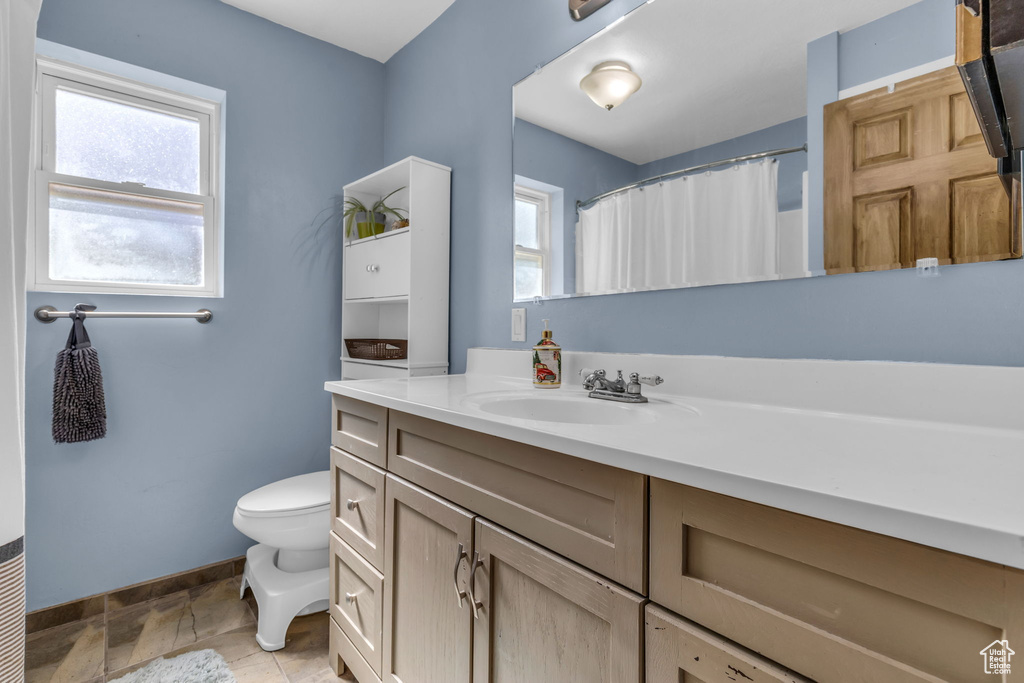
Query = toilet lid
x=301 y=493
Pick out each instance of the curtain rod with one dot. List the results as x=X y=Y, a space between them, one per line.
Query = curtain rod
x=692 y=169
x=49 y=314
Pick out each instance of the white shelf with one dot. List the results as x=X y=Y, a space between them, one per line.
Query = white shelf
x=406 y=297
x=403 y=363
x=382 y=236
x=390 y=178
x=380 y=300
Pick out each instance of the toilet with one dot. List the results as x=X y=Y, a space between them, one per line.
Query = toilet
x=287 y=569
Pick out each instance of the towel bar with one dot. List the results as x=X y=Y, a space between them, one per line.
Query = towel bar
x=49 y=314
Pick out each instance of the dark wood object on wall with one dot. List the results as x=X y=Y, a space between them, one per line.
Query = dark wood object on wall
x=908 y=176
x=1006 y=47
x=977 y=70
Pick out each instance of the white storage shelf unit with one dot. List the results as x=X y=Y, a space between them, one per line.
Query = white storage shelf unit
x=396 y=284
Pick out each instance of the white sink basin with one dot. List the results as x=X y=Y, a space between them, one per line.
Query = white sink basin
x=553 y=406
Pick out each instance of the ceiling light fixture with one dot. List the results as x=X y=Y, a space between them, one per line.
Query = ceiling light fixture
x=610 y=84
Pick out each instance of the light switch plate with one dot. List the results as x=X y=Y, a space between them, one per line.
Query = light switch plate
x=519 y=324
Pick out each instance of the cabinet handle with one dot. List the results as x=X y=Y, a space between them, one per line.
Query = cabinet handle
x=351 y=504
x=372 y=268
x=477 y=605
x=459 y=555
x=350 y=598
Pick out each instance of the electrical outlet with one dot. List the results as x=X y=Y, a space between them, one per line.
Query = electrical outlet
x=519 y=324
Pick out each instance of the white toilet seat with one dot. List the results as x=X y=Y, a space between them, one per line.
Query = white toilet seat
x=291 y=514
x=288 y=568
x=292 y=496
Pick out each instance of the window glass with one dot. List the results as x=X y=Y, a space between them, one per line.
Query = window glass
x=117 y=142
x=529 y=269
x=96 y=235
x=527 y=233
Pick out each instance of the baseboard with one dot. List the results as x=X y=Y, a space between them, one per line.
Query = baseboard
x=94 y=605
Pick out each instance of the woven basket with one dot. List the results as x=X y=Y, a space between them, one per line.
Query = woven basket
x=378 y=349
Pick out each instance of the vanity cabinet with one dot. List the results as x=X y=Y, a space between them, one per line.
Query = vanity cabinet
x=541 y=617
x=680 y=651
x=355 y=601
x=831 y=602
x=360 y=429
x=427 y=615
x=593 y=514
x=559 y=555
x=357 y=505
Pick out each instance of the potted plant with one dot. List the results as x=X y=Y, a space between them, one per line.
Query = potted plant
x=369 y=220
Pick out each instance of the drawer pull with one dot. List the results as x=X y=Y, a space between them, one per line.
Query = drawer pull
x=351 y=504
x=350 y=598
x=372 y=268
x=477 y=605
x=459 y=555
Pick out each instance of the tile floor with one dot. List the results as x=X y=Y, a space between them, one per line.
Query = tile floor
x=102 y=648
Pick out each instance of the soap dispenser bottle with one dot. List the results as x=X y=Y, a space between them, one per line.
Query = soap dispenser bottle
x=547 y=362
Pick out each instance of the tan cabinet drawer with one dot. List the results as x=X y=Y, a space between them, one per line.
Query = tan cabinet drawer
x=591 y=513
x=378 y=268
x=356 y=600
x=679 y=651
x=360 y=428
x=345 y=655
x=543 y=618
x=828 y=601
x=357 y=504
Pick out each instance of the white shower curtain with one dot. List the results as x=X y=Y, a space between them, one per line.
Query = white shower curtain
x=704 y=229
x=17 y=70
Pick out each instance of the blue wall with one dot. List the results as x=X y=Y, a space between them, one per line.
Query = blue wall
x=201 y=414
x=915 y=35
x=456 y=79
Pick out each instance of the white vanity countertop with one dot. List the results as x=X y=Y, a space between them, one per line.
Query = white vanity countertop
x=946 y=484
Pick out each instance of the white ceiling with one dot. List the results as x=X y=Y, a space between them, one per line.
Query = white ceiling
x=711 y=71
x=373 y=28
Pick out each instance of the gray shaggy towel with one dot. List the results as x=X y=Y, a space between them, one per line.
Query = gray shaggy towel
x=79 y=410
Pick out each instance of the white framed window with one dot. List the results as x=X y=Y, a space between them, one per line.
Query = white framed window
x=532 y=243
x=127 y=187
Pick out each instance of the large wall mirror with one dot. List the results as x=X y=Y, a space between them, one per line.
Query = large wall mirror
x=678 y=147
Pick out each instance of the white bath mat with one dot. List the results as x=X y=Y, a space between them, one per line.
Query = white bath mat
x=204 y=666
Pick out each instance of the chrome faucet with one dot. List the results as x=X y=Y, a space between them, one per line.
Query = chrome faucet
x=599 y=386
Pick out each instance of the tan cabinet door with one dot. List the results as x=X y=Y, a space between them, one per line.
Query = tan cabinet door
x=541 y=618
x=427 y=625
x=908 y=176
